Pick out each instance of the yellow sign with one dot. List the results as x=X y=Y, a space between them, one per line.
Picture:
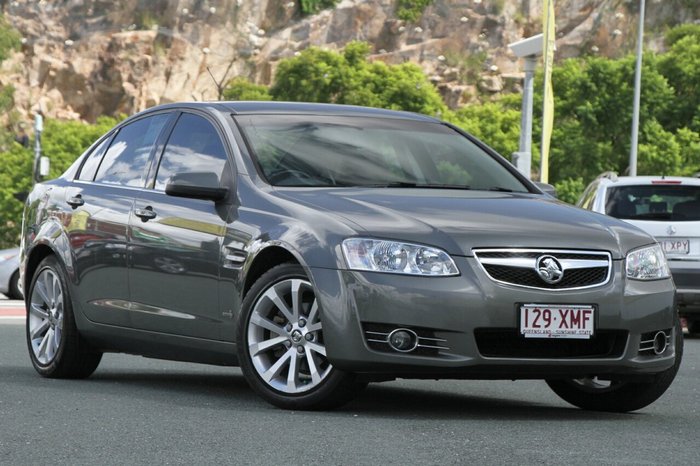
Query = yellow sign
x=548 y=105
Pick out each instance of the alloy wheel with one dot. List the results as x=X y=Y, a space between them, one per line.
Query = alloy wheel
x=285 y=338
x=46 y=317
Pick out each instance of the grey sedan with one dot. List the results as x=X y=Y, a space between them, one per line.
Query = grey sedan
x=9 y=273
x=322 y=247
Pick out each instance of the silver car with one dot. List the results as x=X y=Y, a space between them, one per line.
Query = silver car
x=9 y=273
x=322 y=247
x=667 y=208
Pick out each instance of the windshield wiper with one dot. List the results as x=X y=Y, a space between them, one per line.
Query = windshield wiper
x=499 y=189
x=408 y=184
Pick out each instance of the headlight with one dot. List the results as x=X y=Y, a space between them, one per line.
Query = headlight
x=647 y=263
x=394 y=257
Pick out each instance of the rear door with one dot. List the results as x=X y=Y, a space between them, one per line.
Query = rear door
x=175 y=243
x=99 y=202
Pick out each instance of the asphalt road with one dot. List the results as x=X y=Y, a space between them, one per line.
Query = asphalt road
x=140 y=411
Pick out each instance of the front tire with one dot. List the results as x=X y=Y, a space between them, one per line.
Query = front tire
x=55 y=347
x=594 y=394
x=281 y=348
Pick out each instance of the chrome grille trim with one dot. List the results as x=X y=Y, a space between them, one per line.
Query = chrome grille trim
x=648 y=345
x=523 y=258
x=423 y=342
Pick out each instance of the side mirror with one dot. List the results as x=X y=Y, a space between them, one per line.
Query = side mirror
x=196 y=185
x=547 y=189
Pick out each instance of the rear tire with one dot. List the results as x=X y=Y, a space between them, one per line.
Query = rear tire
x=618 y=396
x=55 y=347
x=13 y=291
x=694 y=327
x=281 y=348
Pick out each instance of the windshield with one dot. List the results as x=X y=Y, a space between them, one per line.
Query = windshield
x=654 y=202
x=323 y=151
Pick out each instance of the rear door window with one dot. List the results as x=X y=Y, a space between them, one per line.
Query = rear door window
x=194 y=146
x=127 y=159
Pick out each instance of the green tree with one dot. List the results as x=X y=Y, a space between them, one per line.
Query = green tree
x=9 y=38
x=318 y=75
x=689 y=143
x=15 y=176
x=313 y=6
x=242 y=89
x=570 y=189
x=681 y=67
x=493 y=122
x=593 y=118
x=411 y=10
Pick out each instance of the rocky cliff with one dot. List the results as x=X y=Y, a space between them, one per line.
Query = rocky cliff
x=84 y=58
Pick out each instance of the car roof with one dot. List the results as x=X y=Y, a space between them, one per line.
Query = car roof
x=294 y=108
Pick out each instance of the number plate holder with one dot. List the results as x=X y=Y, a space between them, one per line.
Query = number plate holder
x=557 y=321
x=676 y=246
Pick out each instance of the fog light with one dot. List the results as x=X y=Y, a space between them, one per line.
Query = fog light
x=403 y=339
x=659 y=342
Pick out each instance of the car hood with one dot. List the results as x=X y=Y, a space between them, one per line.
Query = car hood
x=460 y=220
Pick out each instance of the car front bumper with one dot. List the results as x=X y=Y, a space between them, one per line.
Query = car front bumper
x=686 y=275
x=472 y=316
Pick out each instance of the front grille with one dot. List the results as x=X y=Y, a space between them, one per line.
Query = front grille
x=581 y=269
x=509 y=343
x=576 y=278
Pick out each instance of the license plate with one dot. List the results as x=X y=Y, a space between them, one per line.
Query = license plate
x=557 y=321
x=676 y=246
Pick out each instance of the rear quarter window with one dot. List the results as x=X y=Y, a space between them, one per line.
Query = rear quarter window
x=92 y=162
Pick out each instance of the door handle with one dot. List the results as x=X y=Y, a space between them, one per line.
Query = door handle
x=75 y=201
x=145 y=214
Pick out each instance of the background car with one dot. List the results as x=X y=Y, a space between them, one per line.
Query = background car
x=9 y=273
x=667 y=208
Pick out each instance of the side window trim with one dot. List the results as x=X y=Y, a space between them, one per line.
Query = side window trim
x=153 y=171
x=159 y=146
x=114 y=135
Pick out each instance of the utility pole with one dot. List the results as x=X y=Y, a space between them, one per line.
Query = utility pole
x=637 y=91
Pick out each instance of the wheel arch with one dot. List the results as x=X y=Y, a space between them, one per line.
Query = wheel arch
x=50 y=240
x=265 y=259
x=38 y=254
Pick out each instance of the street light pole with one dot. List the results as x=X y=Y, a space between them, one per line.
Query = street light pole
x=528 y=49
x=637 y=91
x=37 y=149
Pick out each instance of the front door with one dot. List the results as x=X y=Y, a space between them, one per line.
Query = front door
x=175 y=243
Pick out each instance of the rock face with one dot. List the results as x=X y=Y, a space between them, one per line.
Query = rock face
x=84 y=58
